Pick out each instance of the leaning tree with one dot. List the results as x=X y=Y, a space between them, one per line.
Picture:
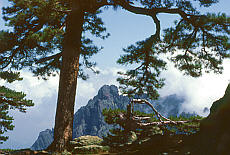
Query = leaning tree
x=50 y=35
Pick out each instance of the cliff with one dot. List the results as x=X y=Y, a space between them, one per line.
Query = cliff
x=214 y=135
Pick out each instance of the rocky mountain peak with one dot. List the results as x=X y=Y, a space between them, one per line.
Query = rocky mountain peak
x=44 y=139
x=107 y=92
x=88 y=120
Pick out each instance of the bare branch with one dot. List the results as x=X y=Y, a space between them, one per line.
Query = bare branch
x=165 y=122
x=142 y=101
x=139 y=118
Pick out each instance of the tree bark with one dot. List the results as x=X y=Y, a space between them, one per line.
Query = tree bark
x=68 y=80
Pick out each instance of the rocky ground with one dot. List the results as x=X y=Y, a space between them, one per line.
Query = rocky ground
x=80 y=145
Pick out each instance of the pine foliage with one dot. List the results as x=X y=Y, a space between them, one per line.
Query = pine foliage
x=37 y=37
x=144 y=79
x=10 y=99
x=197 y=43
x=203 y=40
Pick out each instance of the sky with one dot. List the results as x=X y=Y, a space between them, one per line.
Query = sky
x=125 y=28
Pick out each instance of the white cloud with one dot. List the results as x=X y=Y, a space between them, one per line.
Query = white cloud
x=34 y=88
x=198 y=92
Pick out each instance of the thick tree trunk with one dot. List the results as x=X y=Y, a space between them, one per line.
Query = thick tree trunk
x=68 y=81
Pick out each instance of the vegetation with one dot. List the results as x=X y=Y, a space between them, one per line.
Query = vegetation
x=140 y=132
x=10 y=99
x=56 y=40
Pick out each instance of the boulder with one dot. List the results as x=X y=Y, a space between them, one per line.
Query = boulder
x=88 y=145
x=86 y=140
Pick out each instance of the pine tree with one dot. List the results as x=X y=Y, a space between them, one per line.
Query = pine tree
x=10 y=99
x=50 y=35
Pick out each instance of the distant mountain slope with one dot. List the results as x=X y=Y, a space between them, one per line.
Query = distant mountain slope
x=88 y=120
x=45 y=138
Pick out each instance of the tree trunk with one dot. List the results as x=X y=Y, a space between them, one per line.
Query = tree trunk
x=68 y=81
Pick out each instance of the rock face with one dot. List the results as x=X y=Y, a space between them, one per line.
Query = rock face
x=88 y=120
x=45 y=138
x=214 y=135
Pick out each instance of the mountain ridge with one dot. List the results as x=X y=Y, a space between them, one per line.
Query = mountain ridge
x=88 y=120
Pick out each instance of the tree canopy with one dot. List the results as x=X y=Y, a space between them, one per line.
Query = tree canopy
x=36 y=40
x=197 y=43
x=37 y=37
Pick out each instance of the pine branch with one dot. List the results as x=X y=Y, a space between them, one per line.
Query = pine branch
x=142 y=11
x=55 y=56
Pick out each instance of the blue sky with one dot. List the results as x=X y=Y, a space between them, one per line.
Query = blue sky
x=125 y=28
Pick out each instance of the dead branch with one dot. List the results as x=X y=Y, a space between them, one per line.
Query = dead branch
x=135 y=122
x=165 y=123
x=159 y=116
x=140 y=118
